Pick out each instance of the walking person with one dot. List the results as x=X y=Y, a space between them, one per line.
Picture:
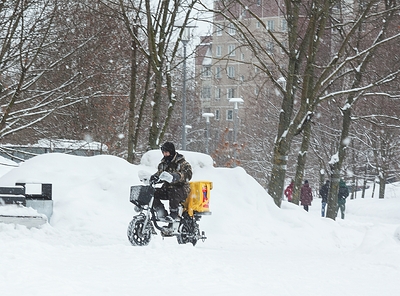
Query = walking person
x=342 y=195
x=323 y=192
x=289 y=191
x=306 y=196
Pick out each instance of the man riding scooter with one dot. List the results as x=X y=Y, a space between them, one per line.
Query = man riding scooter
x=176 y=173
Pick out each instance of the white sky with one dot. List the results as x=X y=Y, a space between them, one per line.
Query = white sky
x=253 y=247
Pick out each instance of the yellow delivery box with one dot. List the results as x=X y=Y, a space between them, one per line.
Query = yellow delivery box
x=198 y=200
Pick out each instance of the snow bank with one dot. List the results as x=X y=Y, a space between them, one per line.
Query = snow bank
x=91 y=197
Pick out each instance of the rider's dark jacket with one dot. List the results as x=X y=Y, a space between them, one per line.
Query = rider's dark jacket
x=178 y=166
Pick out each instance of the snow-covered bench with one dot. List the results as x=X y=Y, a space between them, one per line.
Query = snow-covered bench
x=35 y=195
x=13 y=195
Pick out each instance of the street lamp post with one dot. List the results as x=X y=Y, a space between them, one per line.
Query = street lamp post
x=185 y=39
x=207 y=117
x=184 y=42
x=187 y=128
x=236 y=102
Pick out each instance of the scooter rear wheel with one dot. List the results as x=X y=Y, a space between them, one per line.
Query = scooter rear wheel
x=137 y=233
x=188 y=232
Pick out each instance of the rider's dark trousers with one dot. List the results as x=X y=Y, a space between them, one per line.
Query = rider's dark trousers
x=175 y=195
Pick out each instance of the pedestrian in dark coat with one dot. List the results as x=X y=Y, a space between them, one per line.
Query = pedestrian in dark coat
x=323 y=192
x=342 y=195
x=306 y=196
x=289 y=191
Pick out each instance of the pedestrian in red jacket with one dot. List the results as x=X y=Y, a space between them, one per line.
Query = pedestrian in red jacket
x=289 y=191
x=306 y=195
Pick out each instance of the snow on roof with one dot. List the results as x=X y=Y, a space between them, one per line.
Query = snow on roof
x=64 y=144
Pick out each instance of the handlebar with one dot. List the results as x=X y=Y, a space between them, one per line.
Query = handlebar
x=153 y=183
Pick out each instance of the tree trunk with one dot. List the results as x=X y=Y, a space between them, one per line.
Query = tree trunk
x=142 y=105
x=382 y=185
x=321 y=177
x=278 y=174
x=373 y=189
x=331 y=210
x=301 y=163
x=171 y=105
x=155 y=122
x=354 y=180
x=336 y=165
x=365 y=180
x=132 y=101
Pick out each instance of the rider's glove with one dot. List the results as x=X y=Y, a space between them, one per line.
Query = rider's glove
x=167 y=177
x=154 y=178
x=170 y=178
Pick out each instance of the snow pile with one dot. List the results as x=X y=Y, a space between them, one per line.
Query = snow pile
x=252 y=245
x=6 y=165
x=18 y=211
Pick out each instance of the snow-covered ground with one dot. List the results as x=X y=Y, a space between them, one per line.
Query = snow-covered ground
x=253 y=247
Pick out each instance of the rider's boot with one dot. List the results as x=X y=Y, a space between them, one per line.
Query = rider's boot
x=173 y=216
x=153 y=231
x=161 y=212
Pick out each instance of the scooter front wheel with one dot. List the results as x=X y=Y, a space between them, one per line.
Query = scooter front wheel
x=138 y=233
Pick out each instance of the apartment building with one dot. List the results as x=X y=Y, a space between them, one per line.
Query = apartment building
x=226 y=67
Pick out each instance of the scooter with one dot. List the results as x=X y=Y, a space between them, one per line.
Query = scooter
x=186 y=229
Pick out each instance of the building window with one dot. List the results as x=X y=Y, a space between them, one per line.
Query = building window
x=285 y=45
x=284 y=25
x=242 y=56
x=206 y=71
x=244 y=13
x=218 y=30
x=218 y=71
x=218 y=51
x=271 y=25
x=231 y=50
x=218 y=94
x=216 y=113
x=231 y=29
x=258 y=25
x=230 y=93
x=229 y=114
x=231 y=71
x=270 y=47
x=206 y=92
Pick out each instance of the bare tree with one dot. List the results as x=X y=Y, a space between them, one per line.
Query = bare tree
x=321 y=64
x=156 y=30
x=28 y=94
x=376 y=18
